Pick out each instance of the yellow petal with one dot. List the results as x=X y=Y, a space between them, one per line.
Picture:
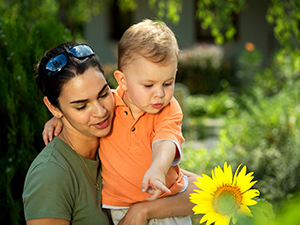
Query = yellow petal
x=198 y=209
x=249 y=202
x=201 y=195
x=248 y=195
x=210 y=217
x=218 y=177
x=228 y=173
x=246 y=186
x=244 y=210
x=222 y=220
x=235 y=175
x=206 y=217
x=207 y=184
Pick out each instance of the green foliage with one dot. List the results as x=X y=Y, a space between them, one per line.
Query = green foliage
x=289 y=211
x=202 y=161
x=218 y=16
x=72 y=13
x=28 y=10
x=261 y=125
x=285 y=15
x=23 y=116
x=249 y=63
x=282 y=71
x=267 y=128
x=170 y=9
x=127 y=5
x=214 y=106
x=262 y=213
x=202 y=68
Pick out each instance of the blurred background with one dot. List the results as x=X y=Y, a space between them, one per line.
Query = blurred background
x=237 y=82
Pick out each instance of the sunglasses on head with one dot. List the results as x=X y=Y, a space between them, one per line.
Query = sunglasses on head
x=58 y=62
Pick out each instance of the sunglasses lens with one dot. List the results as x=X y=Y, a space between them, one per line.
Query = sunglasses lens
x=57 y=63
x=82 y=51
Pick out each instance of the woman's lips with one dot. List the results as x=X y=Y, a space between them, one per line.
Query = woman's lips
x=102 y=124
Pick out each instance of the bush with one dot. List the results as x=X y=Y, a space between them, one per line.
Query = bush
x=23 y=113
x=265 y=135
x=202 y=68
x=262 y=125
x=213 y=106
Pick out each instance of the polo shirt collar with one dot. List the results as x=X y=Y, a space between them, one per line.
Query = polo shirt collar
x=119 y=95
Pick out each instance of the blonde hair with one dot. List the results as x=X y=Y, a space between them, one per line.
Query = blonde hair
x=152 y=40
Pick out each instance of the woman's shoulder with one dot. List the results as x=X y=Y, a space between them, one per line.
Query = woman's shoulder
x=48 y=173
x=56 y=158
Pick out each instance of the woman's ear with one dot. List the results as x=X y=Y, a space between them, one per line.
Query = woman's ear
x=55 y=111
x=121 y=79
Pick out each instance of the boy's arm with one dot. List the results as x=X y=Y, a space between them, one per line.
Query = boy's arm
x=52 y=127
x=162 y=157
x=166 y=149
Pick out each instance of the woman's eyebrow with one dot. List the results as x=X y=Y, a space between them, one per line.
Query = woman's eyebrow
x=103 y=89
x=85 y=100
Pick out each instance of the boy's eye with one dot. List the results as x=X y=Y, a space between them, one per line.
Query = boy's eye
x=168 y=84
x=148 y=85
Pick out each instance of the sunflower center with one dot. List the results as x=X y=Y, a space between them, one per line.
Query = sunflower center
x=227 y=200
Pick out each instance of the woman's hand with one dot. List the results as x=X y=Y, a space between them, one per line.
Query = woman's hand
x=137 y=214
x=53 y=127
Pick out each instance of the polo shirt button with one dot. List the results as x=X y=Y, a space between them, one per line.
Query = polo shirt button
x=133 y=129
x=125 y=113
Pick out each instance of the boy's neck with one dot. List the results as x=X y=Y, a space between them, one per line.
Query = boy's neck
x=135 y=112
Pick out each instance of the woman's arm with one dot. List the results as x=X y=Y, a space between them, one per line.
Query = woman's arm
x=176 y=205
x=48 y=221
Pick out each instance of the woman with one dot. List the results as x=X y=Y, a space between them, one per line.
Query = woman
x=63 y=184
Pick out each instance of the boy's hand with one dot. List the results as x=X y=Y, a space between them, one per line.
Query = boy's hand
x=154 y=183
x=53 y=126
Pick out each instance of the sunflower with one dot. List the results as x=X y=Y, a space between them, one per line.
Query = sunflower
x=224 y=196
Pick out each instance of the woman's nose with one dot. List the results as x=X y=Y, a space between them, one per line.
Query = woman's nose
x=99 y=110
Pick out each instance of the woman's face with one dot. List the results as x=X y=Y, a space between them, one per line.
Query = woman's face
x=87 y=104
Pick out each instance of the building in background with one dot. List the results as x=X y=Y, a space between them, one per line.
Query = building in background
x=104 y=30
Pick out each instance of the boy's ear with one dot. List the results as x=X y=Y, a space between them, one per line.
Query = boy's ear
x=55 y=111
x=121 y=79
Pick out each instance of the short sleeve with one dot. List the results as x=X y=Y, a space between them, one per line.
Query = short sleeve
x=168 y=127
x=47 y=192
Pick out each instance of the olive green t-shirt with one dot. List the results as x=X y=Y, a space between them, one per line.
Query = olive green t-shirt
x=58 y=185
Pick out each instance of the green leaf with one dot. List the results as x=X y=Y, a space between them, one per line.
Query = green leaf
x=262 y=211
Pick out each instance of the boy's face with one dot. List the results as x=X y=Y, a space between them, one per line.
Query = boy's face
x=149 y=86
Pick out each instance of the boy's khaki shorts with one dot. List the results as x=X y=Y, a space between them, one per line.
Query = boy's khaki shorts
x=118 y=214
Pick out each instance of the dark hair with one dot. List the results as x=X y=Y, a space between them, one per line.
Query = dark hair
x=52 y=86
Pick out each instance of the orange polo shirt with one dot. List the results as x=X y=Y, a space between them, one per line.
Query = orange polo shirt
x=126 y=153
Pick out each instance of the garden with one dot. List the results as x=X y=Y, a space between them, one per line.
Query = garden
x=259 y=128
x=249 y=109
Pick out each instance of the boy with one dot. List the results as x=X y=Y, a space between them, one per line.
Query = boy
x=144 y=146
